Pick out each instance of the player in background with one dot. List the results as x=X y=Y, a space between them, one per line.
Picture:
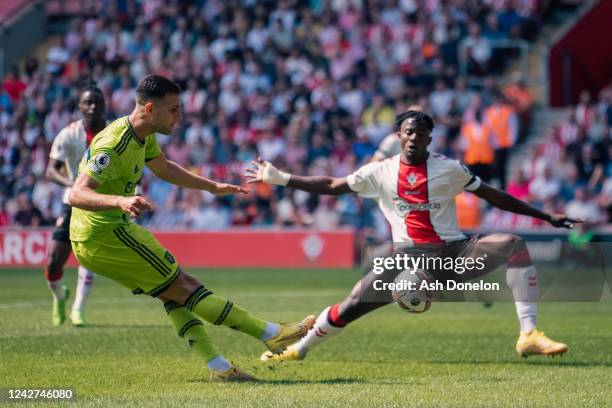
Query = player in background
x=105 y=239
x=426 y=185
x=66 y=152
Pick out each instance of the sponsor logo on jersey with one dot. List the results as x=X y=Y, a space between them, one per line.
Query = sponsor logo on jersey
x=404 y=208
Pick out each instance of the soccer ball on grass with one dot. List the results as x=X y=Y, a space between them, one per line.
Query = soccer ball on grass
x=408 y=293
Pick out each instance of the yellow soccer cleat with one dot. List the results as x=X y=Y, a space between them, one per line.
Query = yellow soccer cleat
x=234 y=374
x=78 y=318
x=289 y=333
x=287 y=355
x=535 y=342
x=58 y=310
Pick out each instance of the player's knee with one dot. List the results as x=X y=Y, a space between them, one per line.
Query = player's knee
x=183 y=287
x=507 y=238
x=507 y=243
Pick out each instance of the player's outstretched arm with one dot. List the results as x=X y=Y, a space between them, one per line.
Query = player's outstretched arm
x=502 y=200
x=171 y=172
x=83 y=195
x=53 y=173
x=265 y=172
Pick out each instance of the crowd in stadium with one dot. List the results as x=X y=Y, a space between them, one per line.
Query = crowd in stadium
x=312 y=88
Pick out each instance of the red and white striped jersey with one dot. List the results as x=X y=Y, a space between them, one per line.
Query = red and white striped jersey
x=417 y=201
x=68 y=147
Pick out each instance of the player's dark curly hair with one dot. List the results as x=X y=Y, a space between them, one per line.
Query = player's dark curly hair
x=418 y=116
x=155 y=86
x=89 y=86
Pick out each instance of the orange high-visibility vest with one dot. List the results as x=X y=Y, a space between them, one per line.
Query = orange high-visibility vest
x=478 y=141
x=498 y=117
x=468 y=210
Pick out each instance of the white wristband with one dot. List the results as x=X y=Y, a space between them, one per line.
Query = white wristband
x=272 y=175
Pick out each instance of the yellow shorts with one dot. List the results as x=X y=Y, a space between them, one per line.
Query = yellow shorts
x=131 y=256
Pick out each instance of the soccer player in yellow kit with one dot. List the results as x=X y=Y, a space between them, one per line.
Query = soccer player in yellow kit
x=106 y=241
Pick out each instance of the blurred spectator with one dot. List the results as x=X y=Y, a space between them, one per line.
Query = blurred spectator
x=440 y=99
x=521 y=99
x=326 y=216
x=581 y=208
x=212 y=216
x=476 y=50
x=122 y=101
x=13 y=85
x=519 y=186
x=584 y=111
x=4 y=215
x=193 y=98
x=178 y=151
x=544 y=186
x=27 y=214
x=287 y=213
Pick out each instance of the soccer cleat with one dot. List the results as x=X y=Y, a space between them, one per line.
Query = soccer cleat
x=289 y=333
x=535 y=342
x=58 y=312
x=78 y=318
x=234 y=374
x=287 y=355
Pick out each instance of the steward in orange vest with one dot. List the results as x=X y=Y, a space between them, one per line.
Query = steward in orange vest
x=478 y=144
x=504 y=124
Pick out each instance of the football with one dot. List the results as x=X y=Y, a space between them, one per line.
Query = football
x=407 y=293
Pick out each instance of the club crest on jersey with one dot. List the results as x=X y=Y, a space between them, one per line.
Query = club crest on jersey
x=411 y=179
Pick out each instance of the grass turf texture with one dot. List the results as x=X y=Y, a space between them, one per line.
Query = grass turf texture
x=454 y=355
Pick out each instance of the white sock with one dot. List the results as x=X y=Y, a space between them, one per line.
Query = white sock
x=321 y=331
x=270 y=331
x=524 y=284
x=527 y=314
x=219 y=363
x=85 y=280
x=57 y=288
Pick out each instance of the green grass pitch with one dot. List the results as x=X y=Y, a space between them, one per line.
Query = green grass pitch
x=455 y=355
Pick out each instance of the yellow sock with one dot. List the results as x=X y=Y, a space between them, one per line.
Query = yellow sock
x=217 y=310
x=191 y=328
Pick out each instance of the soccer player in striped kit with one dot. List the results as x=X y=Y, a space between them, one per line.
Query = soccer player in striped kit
x=66 y=152
x=415 y=191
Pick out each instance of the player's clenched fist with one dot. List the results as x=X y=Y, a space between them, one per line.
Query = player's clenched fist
x=134 y=205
